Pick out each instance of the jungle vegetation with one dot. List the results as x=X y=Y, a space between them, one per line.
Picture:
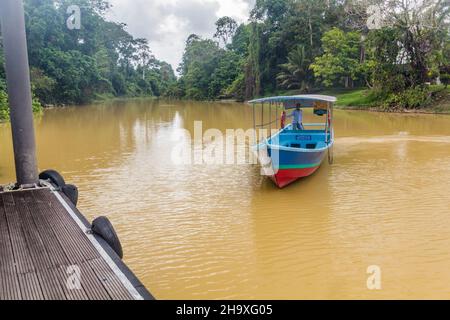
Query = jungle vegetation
x=394 y=50
x=394 y=54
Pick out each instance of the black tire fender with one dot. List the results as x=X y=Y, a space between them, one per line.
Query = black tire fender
x=103 y=228
x=54 y=177
x=71 y=192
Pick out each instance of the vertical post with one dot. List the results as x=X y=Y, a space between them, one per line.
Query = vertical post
x=332 y=121
x=327 y=126
x=270 y=118
x=262 y=116
x=254 y=125
x=278 y=116
x=19 y=91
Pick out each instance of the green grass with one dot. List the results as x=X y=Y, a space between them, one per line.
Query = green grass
x=363 y=98
x=346 y=97
x=353 y=97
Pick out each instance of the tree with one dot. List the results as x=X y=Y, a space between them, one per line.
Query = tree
x=200 y=60
x=225 y=29
x=144 y=54
x=4 y=109
x=226 y=71
x=296 y=73
x=420 y=28
x=445 y=75
x=340 y=61
x=192 y=38
x=76 y=66
x=241 y=40
x=42 y=85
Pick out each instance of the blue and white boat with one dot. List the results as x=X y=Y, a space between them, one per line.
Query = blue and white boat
x=291 y=154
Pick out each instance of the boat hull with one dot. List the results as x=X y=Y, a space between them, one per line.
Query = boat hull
x=290 y=166
x=285 y=177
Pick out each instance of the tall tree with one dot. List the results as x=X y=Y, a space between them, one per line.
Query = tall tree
x=419 y=28
x=144 y=54
x=225 y=29
x=296 y=73
x=340 y=61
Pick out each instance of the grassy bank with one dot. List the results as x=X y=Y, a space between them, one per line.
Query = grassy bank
x=439 y=101
x=359 y=98
x=364 y=99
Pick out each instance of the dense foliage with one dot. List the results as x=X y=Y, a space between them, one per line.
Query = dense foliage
x=311 y=45
x=301 y=45
x=101 y=59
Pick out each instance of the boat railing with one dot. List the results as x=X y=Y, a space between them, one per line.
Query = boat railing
x=314 y=124
x=266 y=124
x=304 y=124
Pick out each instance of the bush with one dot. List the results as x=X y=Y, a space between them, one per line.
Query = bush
x=237 y=88
x=37 y=106
x=195 y=94
x=414 y=98
x=4 y=107
x=445 y=75
x=4 y=110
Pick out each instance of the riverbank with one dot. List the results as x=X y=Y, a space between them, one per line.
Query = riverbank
x=362 y=99
x=100 y=99
x=112 y=98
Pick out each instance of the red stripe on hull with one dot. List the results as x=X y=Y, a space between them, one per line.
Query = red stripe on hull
x=287 y=176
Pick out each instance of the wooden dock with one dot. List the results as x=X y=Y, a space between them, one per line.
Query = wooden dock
x=47 y=252
x=47 y=248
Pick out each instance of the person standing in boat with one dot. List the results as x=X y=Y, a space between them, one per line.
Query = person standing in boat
x=297 y=115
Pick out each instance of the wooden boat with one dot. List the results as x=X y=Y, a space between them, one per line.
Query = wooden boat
x=291 y=154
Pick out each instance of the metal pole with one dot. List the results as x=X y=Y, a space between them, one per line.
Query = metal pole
x=277 y=113
x=19 y=91
x=254 y=126
x=262 y=117
x=270 y=117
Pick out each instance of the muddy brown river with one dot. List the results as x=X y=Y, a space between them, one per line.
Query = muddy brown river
x=223 y=231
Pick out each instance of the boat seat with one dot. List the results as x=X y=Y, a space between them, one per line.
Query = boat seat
x=321 y=144
x=311 y=146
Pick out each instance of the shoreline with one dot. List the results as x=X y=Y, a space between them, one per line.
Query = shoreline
x=405 y=111
x=357 y=99
x=118 y=99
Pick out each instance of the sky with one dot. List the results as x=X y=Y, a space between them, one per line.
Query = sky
x=166 y=24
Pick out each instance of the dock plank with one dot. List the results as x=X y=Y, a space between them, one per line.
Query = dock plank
x=108 y=280
x=9 y=282
x=40 y=247
x=74 y=242
x=22 y=258
x=49 y=239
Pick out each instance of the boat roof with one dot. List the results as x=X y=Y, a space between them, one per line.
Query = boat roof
x=306 y=100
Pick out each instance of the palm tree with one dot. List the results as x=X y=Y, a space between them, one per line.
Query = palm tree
x=295 y=73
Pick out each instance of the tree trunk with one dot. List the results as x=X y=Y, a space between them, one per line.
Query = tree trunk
x=310 y=31
x=249 y=82
x=362 y=57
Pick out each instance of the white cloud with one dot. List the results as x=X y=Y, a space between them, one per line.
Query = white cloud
x=168 y=23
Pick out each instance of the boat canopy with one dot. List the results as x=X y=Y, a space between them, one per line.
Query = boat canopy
x=290 y=102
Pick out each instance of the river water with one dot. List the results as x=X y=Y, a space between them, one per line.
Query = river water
x=224 y=231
